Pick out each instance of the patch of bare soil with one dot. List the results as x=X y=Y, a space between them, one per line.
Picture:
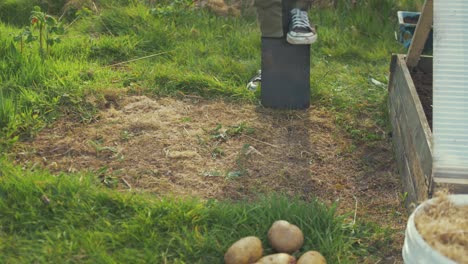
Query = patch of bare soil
x=214 y=149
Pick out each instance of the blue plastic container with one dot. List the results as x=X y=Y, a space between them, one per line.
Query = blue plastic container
x=406 y=29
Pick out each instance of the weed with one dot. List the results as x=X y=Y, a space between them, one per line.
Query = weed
x=99 y=149
x=48 y=28
x=186 y=120
x=126 y=135
x=240 y=129
x=241 y=163
x=106 y=177
x=235 y=174
x=217 y=152
x=403 y=198
x=24 y=37
x=220 y=134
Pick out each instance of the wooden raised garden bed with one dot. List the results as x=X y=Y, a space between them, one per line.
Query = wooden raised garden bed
x=412 y=136
x=410 y=106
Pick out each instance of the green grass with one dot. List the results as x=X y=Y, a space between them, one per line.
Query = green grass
x=195 y=52
x=195 y=56
x=82 y=222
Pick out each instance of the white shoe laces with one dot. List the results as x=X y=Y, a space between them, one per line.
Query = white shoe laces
x=300 y=19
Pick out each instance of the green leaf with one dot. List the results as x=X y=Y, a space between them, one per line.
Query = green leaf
x=234 y=174
x=60 y=30
x=30 y=38
x=50 y=42
x=13 y=49
x=50 y=20
x=84 y=12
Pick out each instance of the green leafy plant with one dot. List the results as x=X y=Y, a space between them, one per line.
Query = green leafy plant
x=240 y=129
x=217 y=152
x=49 y=30
x=220 y=134
x=126 y=135
x=25 y=36
x=241 y=163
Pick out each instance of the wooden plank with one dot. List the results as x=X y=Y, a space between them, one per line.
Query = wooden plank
x=414 y=162
x=406 y=131
x=414 y=103
x=421 y=33
x=402 y=161
x=395 y=109
x=418 y=147
x=412 y=199
x=453 y=185
x=399 y=146
x=412 y=136
x=415 y=128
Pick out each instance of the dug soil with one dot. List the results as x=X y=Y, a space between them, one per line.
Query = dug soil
x=215 y=149
x=423 y=83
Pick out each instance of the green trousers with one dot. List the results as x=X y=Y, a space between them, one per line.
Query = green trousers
x=270 y=15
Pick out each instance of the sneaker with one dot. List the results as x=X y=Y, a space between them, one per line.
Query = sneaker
x=300 y=31
x=253 y=82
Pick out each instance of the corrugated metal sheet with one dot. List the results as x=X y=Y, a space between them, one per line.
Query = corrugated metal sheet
x=450 y=95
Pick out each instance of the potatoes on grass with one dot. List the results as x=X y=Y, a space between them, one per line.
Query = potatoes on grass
x=285 y=237
x=312 y=257
x=279 y=258
x=247 y=250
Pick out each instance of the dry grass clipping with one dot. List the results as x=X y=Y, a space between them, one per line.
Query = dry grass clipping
x=444 y=226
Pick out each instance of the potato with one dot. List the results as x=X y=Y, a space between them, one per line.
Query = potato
x=285 y=237
x=247 y=250
x=312 y=257
x=279 y=258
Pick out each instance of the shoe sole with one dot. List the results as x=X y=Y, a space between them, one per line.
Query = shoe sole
x=295 y=40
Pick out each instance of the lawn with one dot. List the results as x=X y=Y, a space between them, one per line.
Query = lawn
x=132 y=139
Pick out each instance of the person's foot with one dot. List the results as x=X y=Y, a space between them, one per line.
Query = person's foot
x=300 y=31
